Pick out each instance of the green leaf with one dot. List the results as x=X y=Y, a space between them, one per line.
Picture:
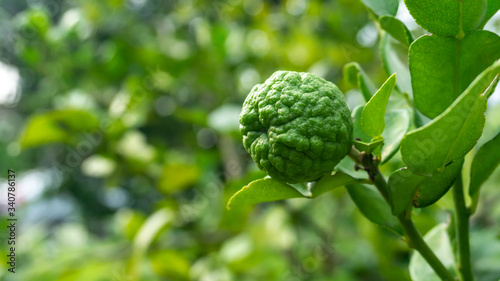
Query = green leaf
x=178 y=176
x=491 y=10
x=403 y=186
x=367 y=147
x=235 y=220
x=57 y=126
x=150 y=228
x=484 y=163
x=382 y=7
x=171 y=264
x=447 y=17
x=357 y=131
x=442 y=68
x=130 y=222
x=407 y=188
x=395 y=60
x=145 y=236
x=329 y=182
x=435 y=187
x=373 y=206
x=350 y=73
x=263 y=190
x=397 y=123
x=356 y=76
x=373 y=115
x=439 y=241
x=396 y=29
x=451 y=135
x=303 y=188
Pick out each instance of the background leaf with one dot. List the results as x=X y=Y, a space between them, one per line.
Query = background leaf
x=442 y=68
x=454 y=133
x=262 y=190
x=373 y=115
x=373 y=206
x=484 y=163
x=485 y=247
x=397 y=29
x=171 y=264
x=395 y=60
x=166 y=81
x=57 y=126
x=382 y=7
x=357 y=130
x=145 y=236
x=443 y=17
x=178 y=176
x=356 y=76
x=397 y=123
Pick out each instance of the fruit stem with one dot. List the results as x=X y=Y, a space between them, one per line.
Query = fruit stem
x=462 y=229
x=370 y=165
x=415 y=240
x=355 y=155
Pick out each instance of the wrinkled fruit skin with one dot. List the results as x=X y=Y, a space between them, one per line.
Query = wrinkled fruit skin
x=296 y=126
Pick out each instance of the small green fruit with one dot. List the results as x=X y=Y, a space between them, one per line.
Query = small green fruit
x=296 y=126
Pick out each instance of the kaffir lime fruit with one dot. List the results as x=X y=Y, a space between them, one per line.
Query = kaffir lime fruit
x=296 y=126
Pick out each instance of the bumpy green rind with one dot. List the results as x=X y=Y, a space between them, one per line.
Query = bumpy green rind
x=296 y=126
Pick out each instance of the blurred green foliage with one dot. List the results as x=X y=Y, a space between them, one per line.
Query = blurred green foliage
x=126 y=145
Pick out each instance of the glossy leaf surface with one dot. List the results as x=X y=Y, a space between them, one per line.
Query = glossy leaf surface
x=442 y=68
x=435 y=187
x=447 y=17
x=262 y=190
x=373 y=115
x=407 y=188
x=491 y=10
x=454 y=133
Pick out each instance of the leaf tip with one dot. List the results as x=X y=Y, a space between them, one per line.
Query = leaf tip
x=392 y=79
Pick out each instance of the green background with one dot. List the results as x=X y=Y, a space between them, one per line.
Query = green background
x=123 y=132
